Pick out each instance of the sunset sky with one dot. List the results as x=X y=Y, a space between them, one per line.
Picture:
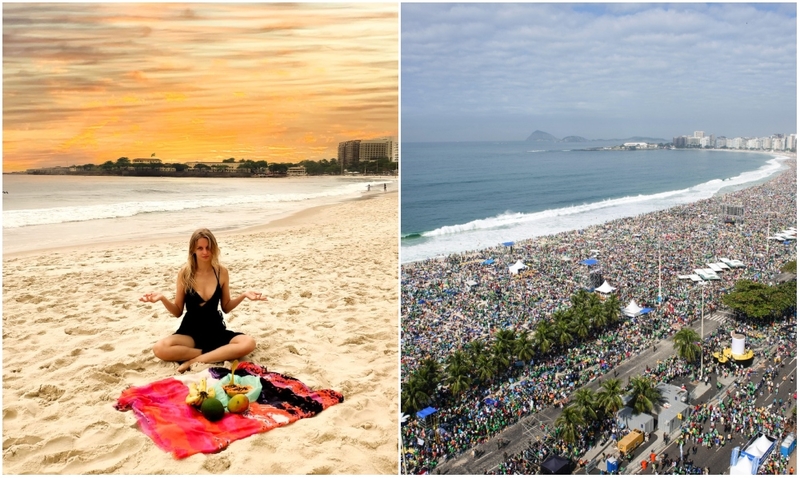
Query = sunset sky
x=88 y=83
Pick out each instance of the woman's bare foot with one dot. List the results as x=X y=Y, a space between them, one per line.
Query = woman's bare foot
x=185 y=366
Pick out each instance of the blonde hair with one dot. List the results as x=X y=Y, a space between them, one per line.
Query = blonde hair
x=188 y=271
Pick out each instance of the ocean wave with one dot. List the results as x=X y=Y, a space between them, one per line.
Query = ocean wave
x=65 y=214
x=515 y=226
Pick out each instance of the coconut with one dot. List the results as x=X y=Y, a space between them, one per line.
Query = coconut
x=212 y=409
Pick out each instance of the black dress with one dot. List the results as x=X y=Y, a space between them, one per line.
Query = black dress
x=203 y=321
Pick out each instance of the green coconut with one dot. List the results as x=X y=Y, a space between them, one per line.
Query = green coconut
x=212 y=409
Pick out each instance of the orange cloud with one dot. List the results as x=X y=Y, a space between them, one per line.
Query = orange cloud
x=191 y=83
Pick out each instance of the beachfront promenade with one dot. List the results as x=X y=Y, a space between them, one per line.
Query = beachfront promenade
x=448 y=303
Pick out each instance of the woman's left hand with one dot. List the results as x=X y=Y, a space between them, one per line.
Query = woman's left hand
x=253 y=295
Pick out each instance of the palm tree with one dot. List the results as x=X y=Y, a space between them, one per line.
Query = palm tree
x=568 y=424
x=686 y=344
x=644 y=394
x=501 y=355
x=523 y=347
x=580 y=299
x=475 y=349
x=458 y=372
x=612 y=310
x=596 y=312
x=430 y=371
x=581 y=324
x=504 y=340
x=562 y=327
x=457 y=359
x=414 y=395
x=485 y=367
x=585 y=400
x=609 y=397
x=543 y=336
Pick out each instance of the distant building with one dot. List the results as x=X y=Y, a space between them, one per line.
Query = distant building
x=376 y=148
x=146 y=161
x=296 y=171
x=215 y=165
x=355 y=151
x=349 y=152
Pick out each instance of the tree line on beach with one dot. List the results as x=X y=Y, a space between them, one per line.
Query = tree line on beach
x=244 y=167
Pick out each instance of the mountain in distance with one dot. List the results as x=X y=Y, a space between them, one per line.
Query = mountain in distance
x=539 y=135
x=574 y=139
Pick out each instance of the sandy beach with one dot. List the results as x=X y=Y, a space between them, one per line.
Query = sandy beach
x=75 y=336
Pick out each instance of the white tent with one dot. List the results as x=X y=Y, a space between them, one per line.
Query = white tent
x=632 y=310
x=605 y=288
x=517 y=267
x=733 y=263
x=707 y=274
x=748 y=459
x=742 y=467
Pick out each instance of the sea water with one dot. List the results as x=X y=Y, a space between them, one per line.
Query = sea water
x=44 y=211
x=465 y=196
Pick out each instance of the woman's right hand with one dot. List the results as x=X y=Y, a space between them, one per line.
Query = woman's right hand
x=151 y=297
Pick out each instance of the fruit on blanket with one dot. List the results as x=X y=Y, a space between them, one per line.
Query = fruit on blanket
x=237 y=389
x=238 y=403
x=198 y=393
x=212 y=409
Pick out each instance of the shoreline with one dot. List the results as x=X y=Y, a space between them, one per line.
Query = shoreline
x=288 y=218
x=784 y=157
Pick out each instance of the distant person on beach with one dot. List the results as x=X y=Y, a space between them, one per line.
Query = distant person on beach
x=384 y=186
x=202 y=336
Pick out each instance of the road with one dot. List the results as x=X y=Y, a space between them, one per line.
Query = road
x=717 y=459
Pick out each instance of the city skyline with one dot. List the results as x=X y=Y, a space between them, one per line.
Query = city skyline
x=88 y=83
x=601 y=71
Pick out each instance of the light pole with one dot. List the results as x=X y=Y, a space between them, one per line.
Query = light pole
x=702 y=323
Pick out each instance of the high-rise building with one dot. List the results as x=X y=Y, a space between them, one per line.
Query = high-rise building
x=355 y=151
x=699 y=134
x=376 y=149
x=349 y=152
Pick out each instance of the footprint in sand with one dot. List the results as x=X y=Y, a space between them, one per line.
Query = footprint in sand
x=46 y=393
x=322 y=470
x=217 y=464
x=80 y=331
x=9 y=414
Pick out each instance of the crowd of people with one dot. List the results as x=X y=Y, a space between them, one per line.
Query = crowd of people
x=447 y=303
x=733 y=418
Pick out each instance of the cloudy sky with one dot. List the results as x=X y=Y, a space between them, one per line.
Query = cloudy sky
x=88 y=83
x=501 y=71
